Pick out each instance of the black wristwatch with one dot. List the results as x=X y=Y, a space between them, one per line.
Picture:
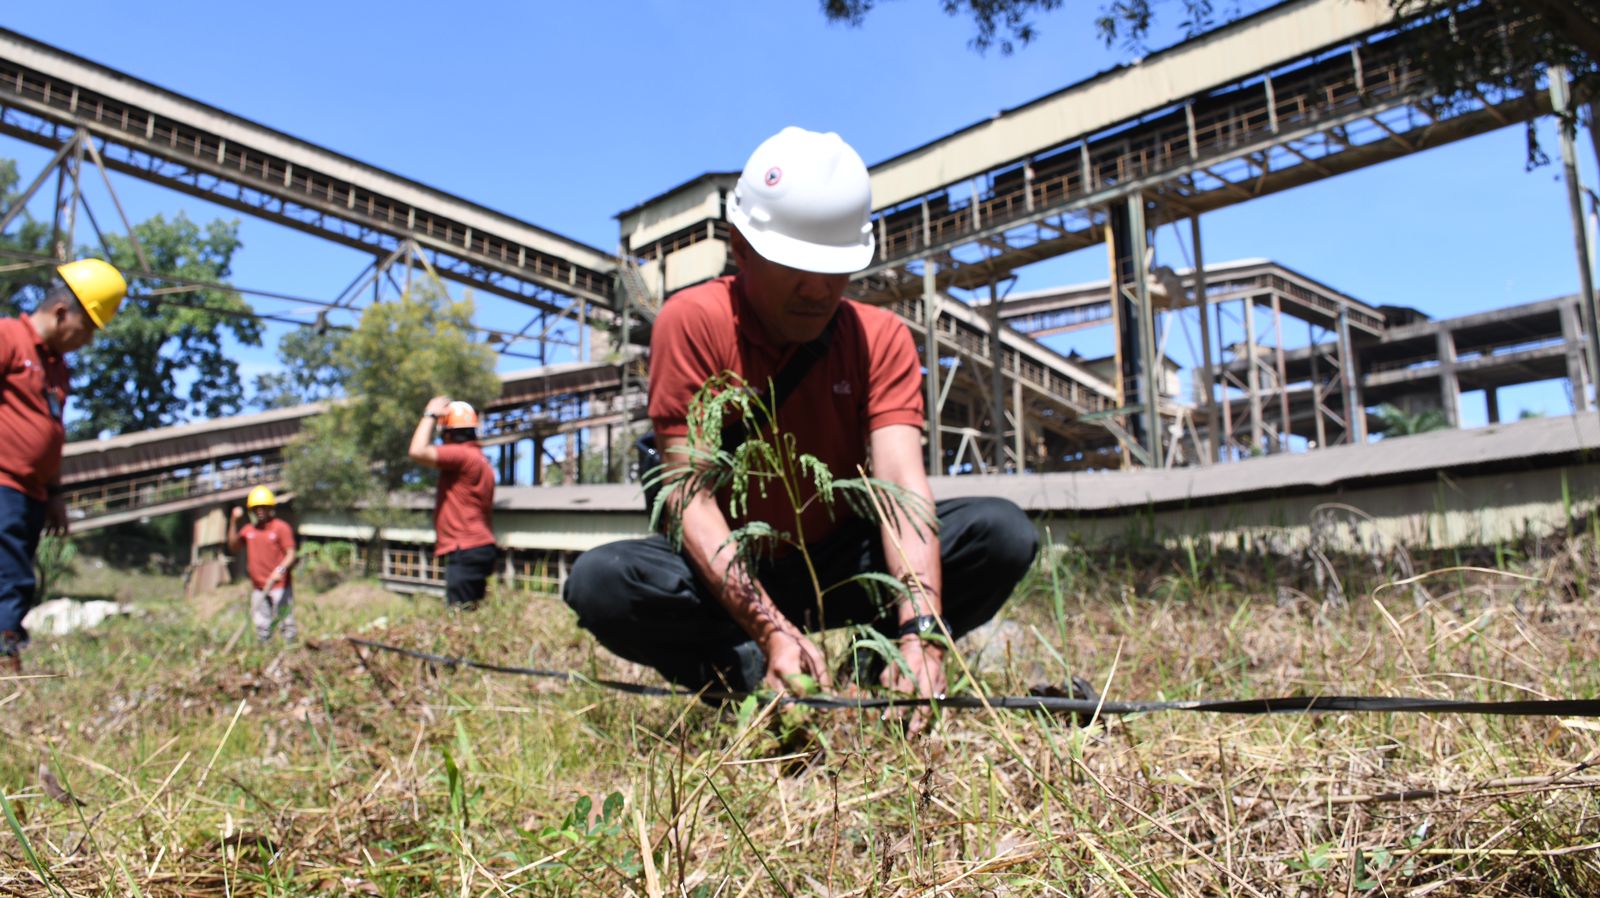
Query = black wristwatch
x=924 y=626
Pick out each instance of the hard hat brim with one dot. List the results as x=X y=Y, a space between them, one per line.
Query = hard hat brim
x=801 y=255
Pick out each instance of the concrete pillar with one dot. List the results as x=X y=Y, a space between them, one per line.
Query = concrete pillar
x=1018 y=436
x=1491 y=398
x=1577 y=370
x=1252 y=377
x=1355 y=410
x=1449 y=384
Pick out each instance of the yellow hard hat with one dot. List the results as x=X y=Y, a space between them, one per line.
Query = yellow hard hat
x=261 y=496
x=98 y=286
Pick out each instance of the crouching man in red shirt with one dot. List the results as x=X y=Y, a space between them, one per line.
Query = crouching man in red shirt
x=270 y=561
x=33 y=394
x=463 y=515
x=801 y=217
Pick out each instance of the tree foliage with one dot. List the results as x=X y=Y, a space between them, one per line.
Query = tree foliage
x=162 y=359
x=1467 y=47
x=1008 y=24
x=1394 y=421
x=401 y=354
x=310 y=370
x=165 y=357
x=21 y=288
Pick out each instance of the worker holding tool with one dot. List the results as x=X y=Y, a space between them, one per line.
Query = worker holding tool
x=848 y=383
x=33 y=396
x=270 y=561
x=463 y=516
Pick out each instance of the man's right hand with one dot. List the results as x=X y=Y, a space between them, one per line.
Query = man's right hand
x=237 y=513
x=791 y=655
x=437 y=406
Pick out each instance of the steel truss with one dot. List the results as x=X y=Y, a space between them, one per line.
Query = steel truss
x=49 y=108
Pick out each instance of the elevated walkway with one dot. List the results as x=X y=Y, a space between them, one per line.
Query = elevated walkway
x=193 y=466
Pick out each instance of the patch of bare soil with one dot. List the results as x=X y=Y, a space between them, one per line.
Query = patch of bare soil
x=352 y=595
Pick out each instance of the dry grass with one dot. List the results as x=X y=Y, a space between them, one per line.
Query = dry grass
x=256 y=771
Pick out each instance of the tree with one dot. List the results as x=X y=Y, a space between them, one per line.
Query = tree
x=162 y=359
x=1007 y=24
x=1508 y=40
x=310 y=373
x=399 y=356
x=129 y=378
x=21 y=288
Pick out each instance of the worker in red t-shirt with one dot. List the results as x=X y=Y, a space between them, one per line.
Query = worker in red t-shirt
x=33 y=393
x=463 y=514
x=801 y=224
x=269 y=559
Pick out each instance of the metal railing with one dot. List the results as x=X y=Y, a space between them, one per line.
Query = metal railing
x=167 y=486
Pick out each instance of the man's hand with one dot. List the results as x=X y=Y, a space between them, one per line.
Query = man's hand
x=437 y=406
x=926 y=679
x=55 y=516
x=790 y=654
x=236 y=514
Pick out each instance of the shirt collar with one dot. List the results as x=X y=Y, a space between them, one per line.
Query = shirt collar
x=46 y=354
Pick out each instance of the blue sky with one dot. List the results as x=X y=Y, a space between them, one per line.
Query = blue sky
x=564 y=114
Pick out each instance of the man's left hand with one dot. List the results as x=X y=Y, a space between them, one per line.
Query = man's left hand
x=926 y=679
x=55 y=516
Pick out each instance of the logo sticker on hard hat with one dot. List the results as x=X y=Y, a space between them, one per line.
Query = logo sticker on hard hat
x=774 y=175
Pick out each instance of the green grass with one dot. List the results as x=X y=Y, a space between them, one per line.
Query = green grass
x=208 y=765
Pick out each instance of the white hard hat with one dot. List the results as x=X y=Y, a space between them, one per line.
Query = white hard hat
x=805 y=200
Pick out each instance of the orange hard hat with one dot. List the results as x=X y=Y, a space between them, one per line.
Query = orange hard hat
x=460 y=416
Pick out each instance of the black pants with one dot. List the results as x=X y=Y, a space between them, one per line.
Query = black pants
x=466 y=574
x=642 y=600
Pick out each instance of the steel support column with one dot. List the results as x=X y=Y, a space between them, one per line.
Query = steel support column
x=1281 y=375
x=1134 y=320
x=1566 y=116
x=997 y=379
x=1252 y=376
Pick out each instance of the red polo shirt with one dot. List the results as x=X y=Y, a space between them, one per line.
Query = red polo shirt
x=870 y=378
x=464 y=510
x=33 y=394
x=265 y=548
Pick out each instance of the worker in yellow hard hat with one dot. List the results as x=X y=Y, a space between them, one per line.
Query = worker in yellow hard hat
x=33 y=394
x=270 y=562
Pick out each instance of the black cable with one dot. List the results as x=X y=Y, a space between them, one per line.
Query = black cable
x=1314 y=704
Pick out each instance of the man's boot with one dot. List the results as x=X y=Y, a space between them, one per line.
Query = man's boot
x=11 y=643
